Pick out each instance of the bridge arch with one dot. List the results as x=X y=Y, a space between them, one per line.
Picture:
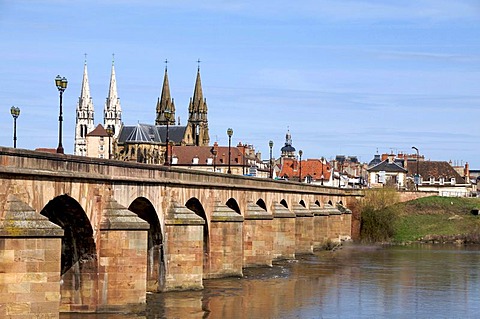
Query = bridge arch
x=233 y=204
x=79 y=253
x=284 y=203
x=302 y=202
x=262 y=204
x=156 y=254
x=194 y=205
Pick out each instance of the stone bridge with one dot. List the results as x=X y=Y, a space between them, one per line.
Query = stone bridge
x=97 y=235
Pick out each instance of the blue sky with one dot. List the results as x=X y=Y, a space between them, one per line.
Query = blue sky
x=346 y=77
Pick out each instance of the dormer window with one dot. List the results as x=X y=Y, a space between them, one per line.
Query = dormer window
x=174 y=160
x=442 y=180
x=452 y=181
x=195 y=160
x=432 y=180
x=209 y=161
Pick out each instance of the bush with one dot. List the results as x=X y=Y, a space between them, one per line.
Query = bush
x=377 y=215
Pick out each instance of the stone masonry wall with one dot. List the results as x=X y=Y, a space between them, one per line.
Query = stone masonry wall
x=184 y=257
x=226 y=250
x=30 y=277
x=122 y=270
x=284 y=241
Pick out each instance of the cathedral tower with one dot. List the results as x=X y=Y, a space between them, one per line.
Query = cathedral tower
x=165 y=101
x=84 y=117
x=113 y=111
x=197 y=127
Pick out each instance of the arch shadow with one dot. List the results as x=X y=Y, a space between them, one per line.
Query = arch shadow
x=232 y=204
x=262 y=204
x=79 y=262
x=144 y=209
x=195 y=206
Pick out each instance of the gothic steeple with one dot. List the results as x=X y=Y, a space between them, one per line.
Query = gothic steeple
x=84 y=117
x=113 y=110
x=165 y=101
x=197 y=119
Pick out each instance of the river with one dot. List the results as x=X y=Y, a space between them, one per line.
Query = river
x=424 y=281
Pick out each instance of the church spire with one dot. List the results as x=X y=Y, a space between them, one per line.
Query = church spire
x=84 y=115
x=113 y=109
x=197 y=109
x=165 y=101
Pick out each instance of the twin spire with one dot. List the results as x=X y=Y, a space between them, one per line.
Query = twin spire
x=85 y=111
x=197 y=126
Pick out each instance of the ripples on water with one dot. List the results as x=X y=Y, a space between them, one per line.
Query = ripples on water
x=353 y=282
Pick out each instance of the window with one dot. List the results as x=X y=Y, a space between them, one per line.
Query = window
x=441 y=180
x=100 y=148
x=101 y=138
x=432 y=180
x=452 y=181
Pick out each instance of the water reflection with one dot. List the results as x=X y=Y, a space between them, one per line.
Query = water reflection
x=354 y=282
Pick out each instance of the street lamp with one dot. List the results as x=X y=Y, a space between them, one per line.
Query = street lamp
x=15 y=111
x=322 y=159
x=171 y=151
x=61 y=83
x=168 y=114
x=229 y=133
x=214 y=153
x=110 y=133
x=300 y=152
x=417 y=175
x=270 y=144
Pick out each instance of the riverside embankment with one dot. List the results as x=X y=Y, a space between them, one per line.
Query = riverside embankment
x=431 y=219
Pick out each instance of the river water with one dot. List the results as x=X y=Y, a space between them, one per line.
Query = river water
x=425 y=281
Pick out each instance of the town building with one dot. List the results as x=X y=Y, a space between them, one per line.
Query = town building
x=387 y=172
x=98 y=143
x=290 y=167
x=413 y=172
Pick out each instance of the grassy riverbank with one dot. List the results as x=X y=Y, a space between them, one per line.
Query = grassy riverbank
x=429 y=219
x=437 y=219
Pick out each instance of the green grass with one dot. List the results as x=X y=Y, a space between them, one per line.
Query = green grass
x=435 y=216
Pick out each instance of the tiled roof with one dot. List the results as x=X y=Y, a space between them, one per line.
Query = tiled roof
x=186 y=154
x=98 y=131
x=387 y=166
x=310 y=167
x=46 y=150
x=435 y=169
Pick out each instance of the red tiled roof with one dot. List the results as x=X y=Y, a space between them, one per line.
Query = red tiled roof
x=98 y=131
x=310 y=167
x=185 y=155
x=46 y=150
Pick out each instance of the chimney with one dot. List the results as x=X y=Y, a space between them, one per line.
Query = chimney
x=466 y=173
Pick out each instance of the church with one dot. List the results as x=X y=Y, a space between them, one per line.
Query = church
x=144 y=143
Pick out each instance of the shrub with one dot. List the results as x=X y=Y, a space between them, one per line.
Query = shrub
x=377 y=215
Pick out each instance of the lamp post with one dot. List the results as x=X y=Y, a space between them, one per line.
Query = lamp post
x=61 y=83
x=270 y=144
x=417 y=175
x=322 y=170
x=168 y=114
x=15 y=111
x=214 y=153
x=171 y=152
x=300 y=152
x=229 y=133
x=110 y=133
